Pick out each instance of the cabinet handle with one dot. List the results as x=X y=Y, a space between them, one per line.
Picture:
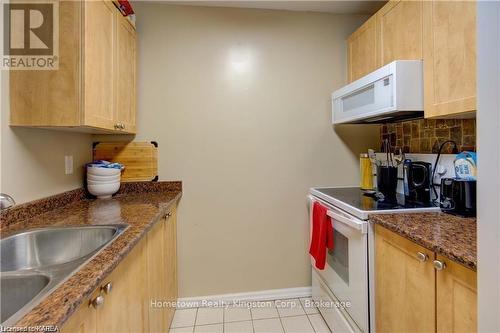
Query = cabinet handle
x=422 y=257
x=122 y=126
x=97 y=302
x=107 y=288
x=117 y=126
x=439 y=265
x=168 y=215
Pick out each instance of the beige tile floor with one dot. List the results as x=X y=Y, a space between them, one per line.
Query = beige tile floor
x=279 y=316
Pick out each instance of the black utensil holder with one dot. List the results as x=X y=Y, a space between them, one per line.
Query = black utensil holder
x=387 y=179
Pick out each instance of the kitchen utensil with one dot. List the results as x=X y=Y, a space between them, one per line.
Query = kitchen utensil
x=399 y=157
x=140 y=158
x=387 y=180
x=366 y=172
x=389 y=145
x=372 y=156
x=100 y=182
x=386 y=148
x=96 y=171
x=103 y=178
x=103 y=191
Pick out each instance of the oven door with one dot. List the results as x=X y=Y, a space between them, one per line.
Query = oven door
x=346 y=269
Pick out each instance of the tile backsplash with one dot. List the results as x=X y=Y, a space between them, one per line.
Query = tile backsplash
x=426 y=135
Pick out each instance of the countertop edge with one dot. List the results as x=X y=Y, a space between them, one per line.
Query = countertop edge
x=87 y=290
x=418 y=239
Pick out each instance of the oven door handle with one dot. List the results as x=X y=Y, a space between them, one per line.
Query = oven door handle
x=362 y=226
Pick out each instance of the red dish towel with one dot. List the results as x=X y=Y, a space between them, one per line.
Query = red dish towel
x=321 y=236
x=125 y=7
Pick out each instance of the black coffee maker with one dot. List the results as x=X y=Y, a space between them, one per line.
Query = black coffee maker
x=417 y=181
x=458 y=196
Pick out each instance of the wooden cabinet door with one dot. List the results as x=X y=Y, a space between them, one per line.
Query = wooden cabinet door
x=124 y=309
x=449 y=57
x=99 y=41
x=52 y=97
x=125 y=74
x=400 y=30
x=362 y=50
x=456 y=298
x=84 y=320
x=157 y=277
x=171 y=259
x=162 y=272
x=404 y=286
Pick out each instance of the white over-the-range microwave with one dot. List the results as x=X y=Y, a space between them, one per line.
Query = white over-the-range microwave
x=392 y=92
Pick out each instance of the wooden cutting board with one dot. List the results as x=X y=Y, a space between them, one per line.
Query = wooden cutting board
x=140 y=158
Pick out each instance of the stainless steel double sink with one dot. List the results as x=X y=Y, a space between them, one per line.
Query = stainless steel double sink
x=33 y=263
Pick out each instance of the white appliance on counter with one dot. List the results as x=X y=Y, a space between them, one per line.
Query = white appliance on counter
x=349 y=271
x=392 y=92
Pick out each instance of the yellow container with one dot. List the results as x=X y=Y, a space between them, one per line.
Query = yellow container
x=366 y=172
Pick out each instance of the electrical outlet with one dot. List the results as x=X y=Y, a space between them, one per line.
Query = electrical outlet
x=68 y=164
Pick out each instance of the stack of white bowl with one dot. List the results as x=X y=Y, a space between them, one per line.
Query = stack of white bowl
x=103 y=182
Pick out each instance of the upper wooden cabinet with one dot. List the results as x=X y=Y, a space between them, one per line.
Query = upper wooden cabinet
x=362 y=50
x=125 y=78
x=400 y=28
x=393 y=33
x=94 y=88
x=442 y=33
x=99 y=64
x=449 y=57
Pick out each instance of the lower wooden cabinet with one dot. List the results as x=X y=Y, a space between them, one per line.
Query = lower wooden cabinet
x=162 y=273
x=157 y=277
x=412 y=295
x=124 y=309
x=456 y=289
x=147 y=274
x=171 y=250
x=84 y=320
x=405 y=293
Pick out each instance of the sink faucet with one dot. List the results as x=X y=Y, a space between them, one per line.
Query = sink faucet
x=6 y=201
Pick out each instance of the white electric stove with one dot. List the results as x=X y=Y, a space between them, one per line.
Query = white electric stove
x=344 y=290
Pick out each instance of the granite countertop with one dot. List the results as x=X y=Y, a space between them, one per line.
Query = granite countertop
x=451 y=236
x=139 y=205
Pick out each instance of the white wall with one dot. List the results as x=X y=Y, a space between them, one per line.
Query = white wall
x=488 y=137
x=239 y=101
x=32 y=160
